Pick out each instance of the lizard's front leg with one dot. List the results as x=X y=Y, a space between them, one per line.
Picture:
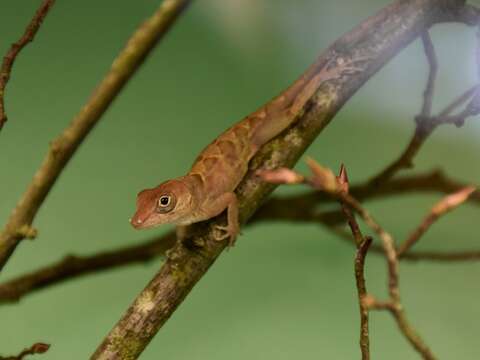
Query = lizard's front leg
x=182 y=232
x=232 y=229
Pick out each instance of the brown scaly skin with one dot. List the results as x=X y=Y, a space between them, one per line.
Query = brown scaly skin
x=208 y=188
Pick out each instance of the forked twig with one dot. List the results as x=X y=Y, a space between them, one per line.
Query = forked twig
x=425 y=122
x=323 y=179
x=297 y=208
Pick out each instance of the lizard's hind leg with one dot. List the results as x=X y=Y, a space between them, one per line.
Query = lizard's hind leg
x=272 y=126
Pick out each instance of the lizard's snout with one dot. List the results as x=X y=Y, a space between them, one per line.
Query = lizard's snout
x=137 y=222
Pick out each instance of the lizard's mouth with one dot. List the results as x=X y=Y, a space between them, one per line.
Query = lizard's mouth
x=136 y=223
x=139 y=222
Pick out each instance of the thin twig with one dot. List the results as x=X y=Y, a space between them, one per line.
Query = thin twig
x=185 y=266
x=352 y=222
x=38 y=348
x=323 y=179
x=304 y=206
x=298 y=208
x=396 y=309
x=16 y=48
x=362 y=293
x=448 y=203
x=459 y=101
x=61 y=271
x=290 y=208
x=425 y=123
x=393 y=280
x=461 y=256
x=75 y=266
x=477 y=52
x=432 y=74
x=421 y=132
x=363 y=244
x=413 y=256
x=62 y=148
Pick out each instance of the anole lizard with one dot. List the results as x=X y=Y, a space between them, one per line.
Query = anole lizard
x=208 y=188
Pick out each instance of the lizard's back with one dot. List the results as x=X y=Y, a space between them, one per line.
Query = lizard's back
x=224 y=162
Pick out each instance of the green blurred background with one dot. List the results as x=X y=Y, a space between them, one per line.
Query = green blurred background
x=286 y=290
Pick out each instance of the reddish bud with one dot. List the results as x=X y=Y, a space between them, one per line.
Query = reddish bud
x=280 y=176
x=323 y=178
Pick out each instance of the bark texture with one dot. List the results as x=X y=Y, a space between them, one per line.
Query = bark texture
x=375 y=41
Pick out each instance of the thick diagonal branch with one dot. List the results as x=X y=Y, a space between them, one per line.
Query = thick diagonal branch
x=63 y=147
x=378 y=40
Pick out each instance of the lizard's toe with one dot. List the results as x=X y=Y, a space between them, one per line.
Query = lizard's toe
x=224 y=232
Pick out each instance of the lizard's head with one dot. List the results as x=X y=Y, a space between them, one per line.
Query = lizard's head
x=169 y=202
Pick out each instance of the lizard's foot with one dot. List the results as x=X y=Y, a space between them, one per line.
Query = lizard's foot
x=229 y=231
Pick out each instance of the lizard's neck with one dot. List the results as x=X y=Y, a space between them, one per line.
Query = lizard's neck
x=195 y=184
x=196 y=188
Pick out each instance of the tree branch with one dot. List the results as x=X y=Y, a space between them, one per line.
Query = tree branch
x=323 y=179
x=62 y=148
x=397 y=25
x=16 y=48
x=38 y=348
x=444 y=206
x=425 y=123
x=362 y=292
x=303 y=207
x=432 y=74
x=74 y=266
x=297 y=208
x=393 y=279
x=363 y=244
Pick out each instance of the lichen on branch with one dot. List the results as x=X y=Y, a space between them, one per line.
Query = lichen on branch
x=377 y=40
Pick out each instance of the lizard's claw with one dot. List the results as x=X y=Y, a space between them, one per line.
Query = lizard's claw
x=224 y=232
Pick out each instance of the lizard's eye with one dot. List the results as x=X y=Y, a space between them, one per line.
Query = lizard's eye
x=165 y=203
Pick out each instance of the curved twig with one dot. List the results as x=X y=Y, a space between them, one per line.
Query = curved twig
x=37 y=348
x=16 y=48
x=448 y=203
x=74 y=266
x=425 y=123
x=397 y=25
x=323 y=179
x=62 y=148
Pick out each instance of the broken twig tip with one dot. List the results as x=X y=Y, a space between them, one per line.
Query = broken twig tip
x=40 y=348
x=323 y=178
x=280 y=176
x=452 y=201
x=342 y=179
